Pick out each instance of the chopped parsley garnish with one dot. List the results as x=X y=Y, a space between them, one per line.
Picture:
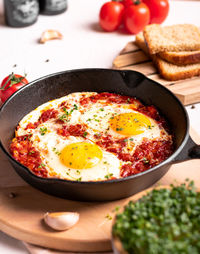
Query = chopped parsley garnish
x=116 y=209
x=119 y=129
x=31 y=152
x=102 y=109
x=43 y=130
x=65 y=116
x=65 y=110
x=56 y=151
x=41 y=165
x=145 y=160
x=108 y=216
x=108 y=176
x=75 y=107
x=161 y=222
x=128 y=100
x=97 y=135
x=85 y=134
x=79 y=179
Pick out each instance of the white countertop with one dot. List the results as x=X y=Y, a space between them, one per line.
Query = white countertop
x=83 y=45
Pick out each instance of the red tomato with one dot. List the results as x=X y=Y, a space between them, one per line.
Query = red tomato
x=127 y=3
x=136 y=17
x=159 y=10
x=110 y=16
x=11 y=84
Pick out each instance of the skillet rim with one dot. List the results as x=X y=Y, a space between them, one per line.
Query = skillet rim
x=52 y=180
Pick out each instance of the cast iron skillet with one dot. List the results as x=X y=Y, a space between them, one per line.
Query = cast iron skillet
x=100 y=80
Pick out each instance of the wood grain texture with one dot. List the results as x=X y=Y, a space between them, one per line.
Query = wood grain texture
x=132 y=58
x=22 y=216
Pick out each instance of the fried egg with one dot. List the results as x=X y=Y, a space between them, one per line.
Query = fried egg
x=120 y=122
x=75 y=158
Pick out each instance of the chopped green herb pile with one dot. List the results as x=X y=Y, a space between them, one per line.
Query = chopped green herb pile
x=165 y=221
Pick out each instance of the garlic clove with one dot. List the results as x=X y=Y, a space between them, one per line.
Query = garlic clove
x=61 y=220
x=50 y=35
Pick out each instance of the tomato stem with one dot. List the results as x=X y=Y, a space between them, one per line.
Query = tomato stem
x=137 y=2
x=13 y=80
x=9 y=78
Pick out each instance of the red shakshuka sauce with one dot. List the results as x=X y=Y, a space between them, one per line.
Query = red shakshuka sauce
x=109 y=97
x=146 y=155
x=77 y=130
x=23 y=151
x=45 y=116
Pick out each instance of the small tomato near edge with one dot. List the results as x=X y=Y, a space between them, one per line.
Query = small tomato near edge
x=159 y=10
x=11 y=84
x=110 y=16
x=136 y=17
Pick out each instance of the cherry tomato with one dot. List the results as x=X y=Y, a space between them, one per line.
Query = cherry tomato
x=11 y=84
x=110 y=16
x=136 y=17
x=127 y=3
x=159 y=10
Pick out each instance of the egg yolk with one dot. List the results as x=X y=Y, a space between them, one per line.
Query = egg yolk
x=130 y=123
x=81 y=155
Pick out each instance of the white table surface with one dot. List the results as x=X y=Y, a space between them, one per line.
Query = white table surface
x=84 y=45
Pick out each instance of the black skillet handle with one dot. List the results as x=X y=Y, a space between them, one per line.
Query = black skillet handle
x=190 y=151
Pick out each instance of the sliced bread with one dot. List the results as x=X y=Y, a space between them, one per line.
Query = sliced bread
x=174 y=72
x=174 y=38
x=181 y=58
x=167 y=70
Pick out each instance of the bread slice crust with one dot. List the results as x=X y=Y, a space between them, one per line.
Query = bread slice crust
x=181 y=58
x=183 y=37
x=168 y=70
x=174 y=72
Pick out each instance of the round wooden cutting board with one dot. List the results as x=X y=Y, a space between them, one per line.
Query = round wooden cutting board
x=22 y=208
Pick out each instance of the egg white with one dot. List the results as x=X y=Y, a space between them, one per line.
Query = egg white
x=50 y=146
x=98 y=121
x=70 y=99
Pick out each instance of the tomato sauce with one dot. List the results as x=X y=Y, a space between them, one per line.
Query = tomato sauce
x=152 y=112
x=147 y=155
x=110 y=98
x=73 y=130
x=23 y=151
x=45 y=116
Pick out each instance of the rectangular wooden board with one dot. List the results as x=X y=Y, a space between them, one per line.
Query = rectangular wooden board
x=132 y=58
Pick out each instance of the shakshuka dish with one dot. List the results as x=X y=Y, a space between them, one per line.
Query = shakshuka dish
x=91 y=136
